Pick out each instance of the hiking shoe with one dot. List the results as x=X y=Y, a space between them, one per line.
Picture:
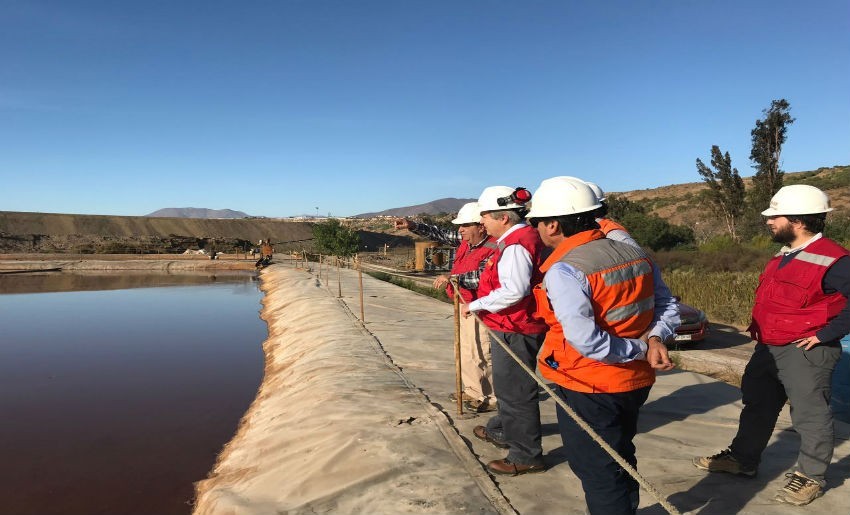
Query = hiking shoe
x=724 y=461
x=480 y=406
x=800 y=490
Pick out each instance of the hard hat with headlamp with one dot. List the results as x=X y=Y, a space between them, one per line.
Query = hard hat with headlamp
x=498 y=198
x=798 y=199
x=469 y=214
x=560 y=196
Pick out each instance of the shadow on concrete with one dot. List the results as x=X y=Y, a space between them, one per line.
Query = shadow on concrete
x=722 y=494
x=686 y=401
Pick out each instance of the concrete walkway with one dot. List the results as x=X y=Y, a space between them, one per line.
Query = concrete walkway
x=687 y=414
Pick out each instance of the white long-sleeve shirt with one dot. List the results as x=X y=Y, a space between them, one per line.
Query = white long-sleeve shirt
x=514 y=268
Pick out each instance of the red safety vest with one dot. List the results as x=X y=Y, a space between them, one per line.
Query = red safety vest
x=790 y=301
x=467 y=260
x=623 y=299
x=520 y=317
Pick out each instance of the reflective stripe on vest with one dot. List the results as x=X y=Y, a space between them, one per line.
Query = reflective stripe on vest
x=622 y=293
x=790 y=302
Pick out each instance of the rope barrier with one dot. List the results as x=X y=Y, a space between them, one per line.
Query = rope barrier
x=661 y=498
x=646 y=485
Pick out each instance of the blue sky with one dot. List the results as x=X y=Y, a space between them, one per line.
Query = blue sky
x=278 y=107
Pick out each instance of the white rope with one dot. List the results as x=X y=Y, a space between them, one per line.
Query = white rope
x=646 y=485
x=661 y=498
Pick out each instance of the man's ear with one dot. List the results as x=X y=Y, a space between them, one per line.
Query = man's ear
x=552 y=228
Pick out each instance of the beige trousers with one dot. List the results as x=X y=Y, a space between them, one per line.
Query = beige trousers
x=476 y=370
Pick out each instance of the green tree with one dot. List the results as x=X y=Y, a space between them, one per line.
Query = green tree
x=768 y=136
x=619 y=206
x=726 y=189
x=647 y=229
x=332 y=237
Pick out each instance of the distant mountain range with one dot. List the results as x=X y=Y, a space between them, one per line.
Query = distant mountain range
x=196 y=212
x=435 y=207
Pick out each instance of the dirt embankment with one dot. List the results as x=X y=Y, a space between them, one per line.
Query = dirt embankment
x=103 y=234
x=48 y=232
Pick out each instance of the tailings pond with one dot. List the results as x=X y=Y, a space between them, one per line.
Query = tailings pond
x=118 y=391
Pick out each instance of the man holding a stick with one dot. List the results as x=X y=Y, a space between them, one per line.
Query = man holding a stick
x=474 y=248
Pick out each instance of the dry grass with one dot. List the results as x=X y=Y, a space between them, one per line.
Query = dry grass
x=724 y=296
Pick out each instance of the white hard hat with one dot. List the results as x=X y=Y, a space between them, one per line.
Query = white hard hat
x=469 y=214
x=798 y=199
x=600 y=195
x=561 y=196
x=497 y=198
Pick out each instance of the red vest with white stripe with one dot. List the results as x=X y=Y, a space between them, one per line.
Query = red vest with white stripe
x=790 y=301
x=467 y=260
x=518 y=318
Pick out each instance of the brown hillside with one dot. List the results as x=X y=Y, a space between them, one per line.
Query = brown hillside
x=683 y=204
x=48 y=232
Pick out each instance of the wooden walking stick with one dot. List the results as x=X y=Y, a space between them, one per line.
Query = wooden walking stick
x=360 y=277
x=458 y=379
x=338 y=278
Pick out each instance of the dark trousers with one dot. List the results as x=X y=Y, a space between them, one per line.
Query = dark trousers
x=608 y=489
x=779 y=373
x=518 y=420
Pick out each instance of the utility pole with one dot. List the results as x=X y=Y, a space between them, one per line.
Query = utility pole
x=317 y=212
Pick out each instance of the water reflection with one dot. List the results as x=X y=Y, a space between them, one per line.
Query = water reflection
x=115 y=401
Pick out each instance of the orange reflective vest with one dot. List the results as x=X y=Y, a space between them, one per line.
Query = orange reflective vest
x=623 y=299
x=606 y=226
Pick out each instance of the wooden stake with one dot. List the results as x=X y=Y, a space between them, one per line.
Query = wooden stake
x=360 y=278
x=338 y=279
x=458 y=379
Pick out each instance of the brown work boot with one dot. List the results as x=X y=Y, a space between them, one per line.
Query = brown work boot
x=508 y=468
x=481 y=433
x=800 y=490
x=724 y=461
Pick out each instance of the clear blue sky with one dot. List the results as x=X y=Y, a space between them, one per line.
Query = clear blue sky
x=278 y=107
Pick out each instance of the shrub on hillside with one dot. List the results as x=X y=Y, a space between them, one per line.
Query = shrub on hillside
x=655 y=233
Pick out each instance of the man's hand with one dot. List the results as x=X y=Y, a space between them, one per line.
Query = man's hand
x=464 y=311
x=807 y=343
x=403 y=223
x=440 y=282
x=656 y=354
